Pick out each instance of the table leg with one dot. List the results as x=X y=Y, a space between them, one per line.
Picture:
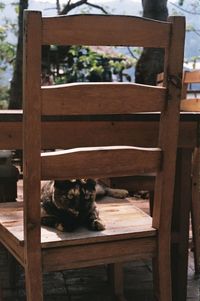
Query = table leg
x=180 y=224
x=195 y=210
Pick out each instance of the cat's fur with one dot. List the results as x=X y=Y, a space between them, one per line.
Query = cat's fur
x=66 y=205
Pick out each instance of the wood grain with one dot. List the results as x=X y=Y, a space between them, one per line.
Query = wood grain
x=99 y=162
x=130 y=233
x=31 y=153
x=105 y=30
x=190 y=104
x=191 y=77
x=142 y=133
x=101 y=98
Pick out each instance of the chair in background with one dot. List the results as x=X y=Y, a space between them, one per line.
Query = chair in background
x=130 y=233
x=191 y=102
x=146 y=182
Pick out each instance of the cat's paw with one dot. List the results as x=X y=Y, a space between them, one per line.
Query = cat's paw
x=60 y=227
x=117 y=193
x=97 y=225
x=124 y=194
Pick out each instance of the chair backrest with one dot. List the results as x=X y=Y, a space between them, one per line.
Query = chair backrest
x=73 y=102
x=190 y=77
x=190 y=102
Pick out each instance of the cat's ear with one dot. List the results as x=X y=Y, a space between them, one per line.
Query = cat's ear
x=91 y=183
x=60 y=184
x=57 y=184
x=79 y=182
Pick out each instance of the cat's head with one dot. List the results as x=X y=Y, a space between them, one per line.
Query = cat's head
x=88 y=189
x=67 y=195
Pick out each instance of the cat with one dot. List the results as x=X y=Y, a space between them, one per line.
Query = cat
x=66 y=205
x=60 y=203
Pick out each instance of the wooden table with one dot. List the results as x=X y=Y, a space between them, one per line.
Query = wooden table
x=142 y=131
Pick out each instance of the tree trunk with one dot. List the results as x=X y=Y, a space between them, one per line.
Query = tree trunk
x=151 y=62
x=16 y=82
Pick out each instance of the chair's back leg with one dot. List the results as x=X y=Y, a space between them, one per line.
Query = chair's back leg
x=195 y=208
x=115 y=275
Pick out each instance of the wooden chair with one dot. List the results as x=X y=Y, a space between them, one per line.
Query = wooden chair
x=188 y=104
x=193 y=104
x=130 y=233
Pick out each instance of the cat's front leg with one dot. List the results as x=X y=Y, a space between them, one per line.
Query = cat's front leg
x=49 y=221
x=94 y=222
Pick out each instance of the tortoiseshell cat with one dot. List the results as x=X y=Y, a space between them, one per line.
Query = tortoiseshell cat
x=66 y=205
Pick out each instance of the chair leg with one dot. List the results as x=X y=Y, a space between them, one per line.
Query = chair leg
x=195 y=209
x=162 y=278
x=151 y=198
x=155 y=279
x=115 y=275
x=33 y=278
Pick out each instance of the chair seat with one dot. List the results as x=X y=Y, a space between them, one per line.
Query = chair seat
x=121 y=217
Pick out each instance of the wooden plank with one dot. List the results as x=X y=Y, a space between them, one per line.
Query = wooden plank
x=11 y=243
x=99 y=162
x=101 y=98
x=73 y=134
x=182 y=203
x=126 y=219
x=139 y=133
x=97 y=133
x=31 y=153
x=11 y=135
x=191 y=77
x=98 y=254
x=105 y=30
x=168 y=140
x=190 y=104
x=195 y=208
x=116 y=278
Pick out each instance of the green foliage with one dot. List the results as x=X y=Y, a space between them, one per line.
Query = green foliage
x=83 y=64
x=4 y=97
x=7 y=49
x=2 y=5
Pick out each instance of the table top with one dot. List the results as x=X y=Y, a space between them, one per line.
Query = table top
x=16 y=116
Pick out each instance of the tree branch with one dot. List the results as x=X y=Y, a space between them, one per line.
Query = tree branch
x=131 y=53
x=98 y=7
x=184 y=10
x=58 y=6
x=70 y=6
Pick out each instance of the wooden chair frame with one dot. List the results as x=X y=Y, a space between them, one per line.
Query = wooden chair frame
x=150 y=239
x=147 y=182
x=193 y=104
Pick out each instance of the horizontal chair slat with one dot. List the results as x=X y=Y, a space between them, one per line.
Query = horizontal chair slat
x=101 y=98
x=97 y=30
x=96 y=162
x=192 y=77
x=190 y=104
